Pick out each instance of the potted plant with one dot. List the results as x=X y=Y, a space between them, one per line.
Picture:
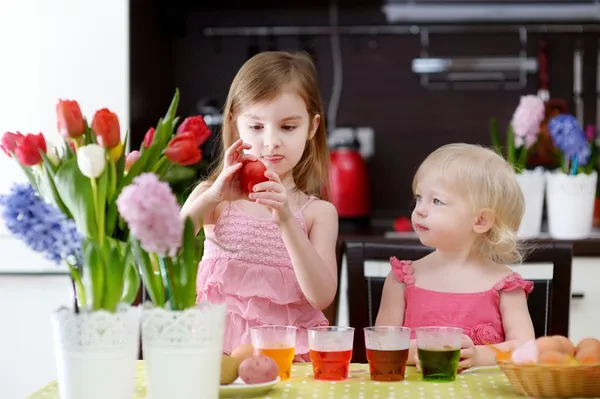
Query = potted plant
x=522 y=134
x=571 y=189
x=182 y=341
x=72 y=191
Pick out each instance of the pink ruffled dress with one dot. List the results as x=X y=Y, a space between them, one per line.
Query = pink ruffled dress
x=256 y=279
x=478 y=313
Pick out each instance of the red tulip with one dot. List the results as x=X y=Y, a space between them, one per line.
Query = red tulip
x=196 y=126
x=107 y=128
x=148 y=137
x=70 y=119
x=130 y=159
x=10 y=142
x=183 y=150
x=28 y=149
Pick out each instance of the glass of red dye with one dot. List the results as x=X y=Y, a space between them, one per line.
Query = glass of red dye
x=330 y=351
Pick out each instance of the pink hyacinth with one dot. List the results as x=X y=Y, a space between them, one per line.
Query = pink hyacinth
x=152 y=213
x=527 y=119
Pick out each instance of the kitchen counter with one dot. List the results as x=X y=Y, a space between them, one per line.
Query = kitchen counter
x=585 y=247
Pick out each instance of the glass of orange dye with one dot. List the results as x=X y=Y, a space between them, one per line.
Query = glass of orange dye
x=330 y=352
x=276 y=342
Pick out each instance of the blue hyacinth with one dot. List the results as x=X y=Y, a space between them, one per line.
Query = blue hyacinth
x=569 y=138
x=41 y=226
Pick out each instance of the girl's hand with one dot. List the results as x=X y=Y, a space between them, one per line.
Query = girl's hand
x=273 y=195
x=227 y=185
x=468 y=354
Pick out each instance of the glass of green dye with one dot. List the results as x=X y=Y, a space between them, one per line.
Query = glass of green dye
x=438 y=350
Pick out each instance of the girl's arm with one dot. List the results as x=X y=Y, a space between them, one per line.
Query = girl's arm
x=313 y=257
x=517 y=325
x=391 y=310
x=200 y=205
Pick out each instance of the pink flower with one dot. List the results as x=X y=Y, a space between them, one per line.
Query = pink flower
x=527 y=119
x=130 y=159
x=152 y=213
x=485 y=334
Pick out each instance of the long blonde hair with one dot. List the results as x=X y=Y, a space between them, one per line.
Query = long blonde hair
x=487 y=181
x=262 y=78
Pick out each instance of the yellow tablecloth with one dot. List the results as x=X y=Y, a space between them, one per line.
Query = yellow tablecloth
x=487 y=383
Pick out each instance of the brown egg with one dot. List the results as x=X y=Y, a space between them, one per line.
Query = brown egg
x=587 y=342
x=545 y=344
x=552 y=357
x=566 y=344
x=243 y=352
x=588 y=351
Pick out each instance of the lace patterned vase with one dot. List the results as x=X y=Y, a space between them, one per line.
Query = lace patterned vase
x=96 y=353
x=183 y=350
x=570 y=204
x=532 y=185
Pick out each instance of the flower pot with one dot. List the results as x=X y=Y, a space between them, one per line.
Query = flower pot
x=183 y=350
x=532 y=184
x=570 y=200
x=96 y=352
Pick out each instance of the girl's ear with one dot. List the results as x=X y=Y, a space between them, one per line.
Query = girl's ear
x=484 y=222
x=314 y=126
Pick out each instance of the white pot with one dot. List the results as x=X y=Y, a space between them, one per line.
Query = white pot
x=570 y=202
x=183 y=350
x=532 y=184
x=96 y=352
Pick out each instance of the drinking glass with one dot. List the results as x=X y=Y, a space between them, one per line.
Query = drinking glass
x=438 y=350
x=330 y=351
x=387 y=352
x=276 y=342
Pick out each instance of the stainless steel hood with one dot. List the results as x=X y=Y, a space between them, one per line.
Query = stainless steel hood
x=422 y=11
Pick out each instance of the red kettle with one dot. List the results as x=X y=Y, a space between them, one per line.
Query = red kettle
x=349 y=185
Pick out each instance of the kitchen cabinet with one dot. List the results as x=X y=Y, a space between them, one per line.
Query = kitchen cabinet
x=584 y=318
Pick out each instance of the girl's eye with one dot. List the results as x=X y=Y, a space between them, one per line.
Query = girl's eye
x=437 y=201
x=288 y=128
x=255 y=127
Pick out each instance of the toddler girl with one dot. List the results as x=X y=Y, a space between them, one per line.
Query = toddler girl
x=275 y=259
x=468 y=207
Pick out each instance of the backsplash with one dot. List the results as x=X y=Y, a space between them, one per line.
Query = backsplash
x=169 y=49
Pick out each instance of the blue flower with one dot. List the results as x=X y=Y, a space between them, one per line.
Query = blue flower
x=41 y=226
x=569 y=137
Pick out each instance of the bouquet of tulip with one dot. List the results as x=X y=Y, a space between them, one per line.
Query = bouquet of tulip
x=522 y=132
x=160 y=238
x=81 y=180
x=579 y=153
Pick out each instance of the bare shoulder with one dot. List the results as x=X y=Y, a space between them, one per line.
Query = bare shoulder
x=321 y=213
x=500 y=271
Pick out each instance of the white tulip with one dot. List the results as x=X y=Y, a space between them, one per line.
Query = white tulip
x=91 y=160
x=52 y=153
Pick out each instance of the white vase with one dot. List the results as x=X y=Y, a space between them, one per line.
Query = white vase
x=532 y=184
x=182 y=351
x=570 y=200
x=96 y=352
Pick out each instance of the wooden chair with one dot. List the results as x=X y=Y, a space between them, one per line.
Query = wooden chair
x=548 y=303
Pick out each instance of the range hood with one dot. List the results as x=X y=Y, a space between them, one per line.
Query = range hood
x=424 y=11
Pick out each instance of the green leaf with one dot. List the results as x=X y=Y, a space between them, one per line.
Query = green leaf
x=132 y=283
x=47 y=188
x=101 y=211
x=152 y=283
x=510 y=142
x=115 y=275
x=93 y=275
x=178 y=173
x=76 y=193
x=89 y=137
x=28 y=172
x=171 y=112
x=167 y=270
x=495 y=136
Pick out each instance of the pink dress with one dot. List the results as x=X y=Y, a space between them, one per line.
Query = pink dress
x=256 y=279
x=478 y=313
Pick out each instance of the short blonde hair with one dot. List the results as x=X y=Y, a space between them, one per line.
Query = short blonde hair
x=488 y=182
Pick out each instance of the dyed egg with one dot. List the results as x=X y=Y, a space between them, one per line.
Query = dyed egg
x=258 y=369
x=243 y=352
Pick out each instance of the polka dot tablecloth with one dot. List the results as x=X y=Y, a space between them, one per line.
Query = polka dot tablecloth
x=485 y=383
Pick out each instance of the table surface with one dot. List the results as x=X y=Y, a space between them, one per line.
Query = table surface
x=484 y=383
